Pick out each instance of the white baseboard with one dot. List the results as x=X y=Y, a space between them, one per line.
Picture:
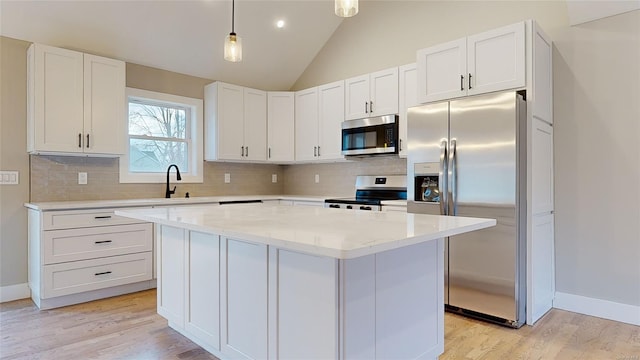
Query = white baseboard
x=605 y=309
x=14 y=292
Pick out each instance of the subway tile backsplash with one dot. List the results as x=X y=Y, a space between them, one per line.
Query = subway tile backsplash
x=55 y=178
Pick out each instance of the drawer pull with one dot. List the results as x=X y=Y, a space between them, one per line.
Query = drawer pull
x=103 y=273
x=102 y=217
x=103 y=241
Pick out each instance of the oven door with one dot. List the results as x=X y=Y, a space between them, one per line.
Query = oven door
x=377 y=135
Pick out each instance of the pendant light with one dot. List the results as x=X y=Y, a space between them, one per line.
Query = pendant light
x=233 y=42
x=346 y=8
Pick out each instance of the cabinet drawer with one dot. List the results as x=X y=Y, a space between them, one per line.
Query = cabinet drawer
x=53 y=220
x=79 y=276
x=90 y=243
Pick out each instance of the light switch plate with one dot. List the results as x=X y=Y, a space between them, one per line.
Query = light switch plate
x=82 y=178
x=227 y=178
x=274 y=178
x=9 y=178
x=317 y=178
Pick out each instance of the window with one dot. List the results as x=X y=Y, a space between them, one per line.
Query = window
x=163 y=129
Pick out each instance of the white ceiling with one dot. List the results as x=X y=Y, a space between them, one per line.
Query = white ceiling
x=183 y=36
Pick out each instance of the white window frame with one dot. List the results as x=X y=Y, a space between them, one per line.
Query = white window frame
x=196 y=162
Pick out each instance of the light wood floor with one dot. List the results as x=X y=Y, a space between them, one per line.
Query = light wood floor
x=127 y=327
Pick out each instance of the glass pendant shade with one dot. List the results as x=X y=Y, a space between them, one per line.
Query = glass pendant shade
x=233 y=48
x=346 y=8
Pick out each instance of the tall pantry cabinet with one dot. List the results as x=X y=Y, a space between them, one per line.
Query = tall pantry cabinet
x=75 y=103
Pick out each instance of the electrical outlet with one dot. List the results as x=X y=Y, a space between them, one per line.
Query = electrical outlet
x=9 y=178
x=227 y=178
x=317 y=178
x=82 y=178
x=274 y=178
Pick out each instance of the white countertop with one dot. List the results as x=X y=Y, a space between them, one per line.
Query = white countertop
x=100 y=204
x=336 y=233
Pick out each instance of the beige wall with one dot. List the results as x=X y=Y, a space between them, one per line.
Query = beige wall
x=596 y=109
x=13 y=156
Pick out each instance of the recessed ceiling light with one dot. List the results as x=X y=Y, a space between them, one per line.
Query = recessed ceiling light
x=280 y=24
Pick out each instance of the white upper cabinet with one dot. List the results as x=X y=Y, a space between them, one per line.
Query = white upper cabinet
x=76 y=103
x=280 y=126
x=330 y=118
x=485 y=62
x=235 y=123
x=255 y=124
x=408 y=97
x=306 y=129
x=374 y=94
x=319 y=115
x=441 y=71
x=496 y=60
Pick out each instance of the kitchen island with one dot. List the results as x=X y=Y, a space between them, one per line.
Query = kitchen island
x=281 y=282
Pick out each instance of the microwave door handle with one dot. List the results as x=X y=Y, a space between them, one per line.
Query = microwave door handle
x=442 y=178
x=453 y=179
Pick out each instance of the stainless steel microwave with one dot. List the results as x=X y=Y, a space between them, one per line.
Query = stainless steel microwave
x=371 y=136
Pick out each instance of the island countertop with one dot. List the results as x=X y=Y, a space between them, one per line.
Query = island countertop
x=337 y=233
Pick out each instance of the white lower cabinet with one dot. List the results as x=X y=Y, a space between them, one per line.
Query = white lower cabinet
x=303 y=311
x=244 y=300
x=82 y=255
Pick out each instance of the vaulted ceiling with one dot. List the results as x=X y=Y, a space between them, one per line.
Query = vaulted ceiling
x=183 y=36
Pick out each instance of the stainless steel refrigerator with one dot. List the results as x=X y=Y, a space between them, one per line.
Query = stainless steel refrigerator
x=467 y=157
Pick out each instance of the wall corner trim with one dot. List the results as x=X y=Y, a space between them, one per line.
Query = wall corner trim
x=605 y=309
x=14 y=292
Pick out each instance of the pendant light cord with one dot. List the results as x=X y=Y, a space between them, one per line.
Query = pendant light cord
x=233 y=16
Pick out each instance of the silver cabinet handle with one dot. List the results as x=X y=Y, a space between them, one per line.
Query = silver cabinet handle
x=318 y=150
x=470 y=81
x=371 y=107
x=87 y=141
x=442 y=178
x=246 y=151
x=365 y=108
x=103 y=242
x=79 y=140
x=242 y=153
x=269 y=153
x=453 y=179
x=461 y=82
x=315 y=151
x=103 y=273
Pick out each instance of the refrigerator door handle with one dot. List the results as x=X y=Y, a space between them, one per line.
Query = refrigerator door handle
x=442 y=177
x=453 y=179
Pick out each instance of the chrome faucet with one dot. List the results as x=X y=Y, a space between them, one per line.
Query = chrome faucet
x=178 y=177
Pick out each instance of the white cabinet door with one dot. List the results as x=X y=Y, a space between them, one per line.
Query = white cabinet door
x=303 y=292
x=357 y=97
x=440 y=71
x=330 y=118
x=280 y=126
x=203 y=299
x=408 y=97
x=230 y=121
x=541 y=268
x=171 y=274
x=244 y=299
x=56 y=100
x=104 y=105
x=383 y=92
x=306 y=109
x=542 y=76
x=496 y=59
x=255 y=125
x=541 y=167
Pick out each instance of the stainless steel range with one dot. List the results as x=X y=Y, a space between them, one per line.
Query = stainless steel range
x=371 y=191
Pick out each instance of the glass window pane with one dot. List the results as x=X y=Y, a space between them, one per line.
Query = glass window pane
x=156 y=155
x=157 y=120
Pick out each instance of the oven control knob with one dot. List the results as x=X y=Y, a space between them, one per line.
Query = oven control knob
x=365 y=207
x=349 y=207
